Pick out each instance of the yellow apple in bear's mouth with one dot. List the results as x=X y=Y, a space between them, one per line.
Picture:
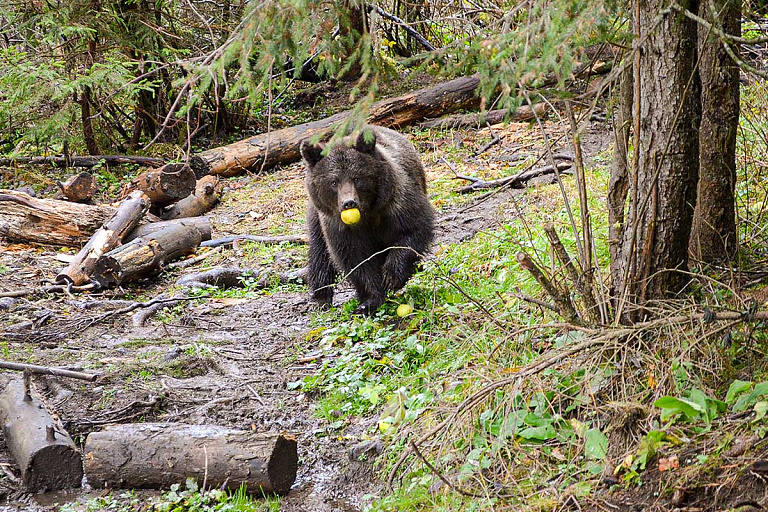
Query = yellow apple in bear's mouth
x=351 y=216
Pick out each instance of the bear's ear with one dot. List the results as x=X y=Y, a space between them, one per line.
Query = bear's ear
x=311 y=153
x=366 y=142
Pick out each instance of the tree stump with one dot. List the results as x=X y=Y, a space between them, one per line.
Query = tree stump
x=45 y=453
x=207 y=194
x=79 y=188
x=157 y=455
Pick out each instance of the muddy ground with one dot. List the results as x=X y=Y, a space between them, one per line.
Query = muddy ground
x=221 y=362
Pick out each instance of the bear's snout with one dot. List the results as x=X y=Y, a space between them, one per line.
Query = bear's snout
x=348 y=204
x=348 y=196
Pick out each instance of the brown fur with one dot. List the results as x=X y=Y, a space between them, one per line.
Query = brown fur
x=379 y=172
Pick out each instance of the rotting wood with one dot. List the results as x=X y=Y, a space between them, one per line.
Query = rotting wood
x=165 y=185
x=79 y=188
x=83 y=161
x=106 y=238
x=207 y=193
x=48 y=370
x=158 y=455
x=282 y=146
x=227 y=240
x=202 y=224
x=49 y=221
x=145 y=255
x=46 y=455
x=229 y=277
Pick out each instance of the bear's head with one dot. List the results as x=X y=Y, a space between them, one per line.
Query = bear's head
x=349 y=176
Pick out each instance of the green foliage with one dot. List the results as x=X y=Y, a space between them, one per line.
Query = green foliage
x=696 y=407
x=188 y=499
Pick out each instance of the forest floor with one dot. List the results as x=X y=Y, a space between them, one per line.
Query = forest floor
x=234 y=357
x=229 y=360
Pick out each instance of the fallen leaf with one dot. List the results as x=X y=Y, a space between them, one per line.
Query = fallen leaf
x=669 y=463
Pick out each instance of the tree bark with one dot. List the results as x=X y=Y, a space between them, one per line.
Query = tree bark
x=106 y=238
x=48 y=221
x=145 y=255
x=87 y=120
x=79 y=188
x=46 y=455
x=663 y=190
x=202 y=224
x=207 y=194
x=165 y=185
x=152 y=455
x=714 y=237
x=282 y=146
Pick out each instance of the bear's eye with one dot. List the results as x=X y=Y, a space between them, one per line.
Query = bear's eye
x=334 y=183
x=357 y=181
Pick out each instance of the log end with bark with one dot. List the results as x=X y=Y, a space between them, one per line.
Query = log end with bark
x=158 y=455
x=46 y=455
x=79 y=188
x=165 y=185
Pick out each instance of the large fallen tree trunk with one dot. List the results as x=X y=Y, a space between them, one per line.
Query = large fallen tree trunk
x=282 y=146
x=145 y=255
x=106 y=238
x=207 y=193
x=48 y=221
x=165 y=185
x=46 y=455
x=83 y=161
x=154 y=456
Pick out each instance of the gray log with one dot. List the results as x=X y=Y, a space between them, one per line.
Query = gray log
x=46 y=455
x=203 y=225
x=158 y=455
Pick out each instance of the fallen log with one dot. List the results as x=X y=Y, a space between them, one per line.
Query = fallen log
x=157 y=455
x=228 y=240
x=516 y=181
x=165 y=185
x=207 y=193
x=282 y=146
x=46 y=455
x=480 y=119
x=202 y=224
x=106 y=238
x=83 y=161
x=49 y=221
x=47 y=370
x=145 y=255
x=79 y=188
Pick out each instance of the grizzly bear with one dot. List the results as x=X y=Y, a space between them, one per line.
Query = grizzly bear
x=378 y=172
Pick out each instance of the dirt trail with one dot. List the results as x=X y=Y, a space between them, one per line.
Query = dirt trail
x=224 y=364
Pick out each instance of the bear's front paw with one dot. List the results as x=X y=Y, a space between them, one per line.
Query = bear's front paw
x=323 y=299
x=393 y=280
x=369 y=306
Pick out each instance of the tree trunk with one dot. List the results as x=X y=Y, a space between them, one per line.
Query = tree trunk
x=714 y=237
x=145 y=255
x=85 y=115
x=618 y=186
x=663 y=189
x=282 y=146
x=49 y=221
x=46 y=455
x=152 y=455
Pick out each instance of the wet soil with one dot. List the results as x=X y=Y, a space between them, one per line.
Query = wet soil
x=220 y=362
